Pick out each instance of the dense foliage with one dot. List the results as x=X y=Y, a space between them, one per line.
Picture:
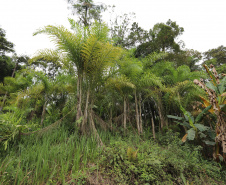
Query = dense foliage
x=112 y=106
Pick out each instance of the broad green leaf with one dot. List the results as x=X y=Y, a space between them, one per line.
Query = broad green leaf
x=199 y=117
x=212 y=143
x=211 y=134
x=210 y=85
x=191 y=134
x=211 y=75
x=188 y=117
x=174 y=117
x=222 y=89
x=201 y=127
x=184 y=124
x=222 y=106
x=202 y=135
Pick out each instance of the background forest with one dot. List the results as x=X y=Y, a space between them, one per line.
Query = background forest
x=112 y=104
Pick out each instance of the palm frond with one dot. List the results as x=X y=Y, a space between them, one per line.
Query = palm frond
x=48 y=55
x=120 y=83
x=66 y=41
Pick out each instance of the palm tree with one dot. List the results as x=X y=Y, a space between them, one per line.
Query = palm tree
x=132 y=68
x=124 y=86
x=87 y=54
x=152 y=84
x=178 y=85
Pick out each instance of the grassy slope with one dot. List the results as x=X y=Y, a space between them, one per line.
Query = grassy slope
x=59 y=157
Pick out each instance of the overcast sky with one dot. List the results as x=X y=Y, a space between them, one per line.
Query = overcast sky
x=204 y=21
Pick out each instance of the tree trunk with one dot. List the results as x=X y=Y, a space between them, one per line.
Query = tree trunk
x=137 y=114
x=14 y=70
x=43 y=113
x=94 y=128
x=161 y=117
x=220 y=138
x=79 y=97
x=140 y=120
x=128 y=113
x=111 y=118
x=124 y=117
x=84 y=122
x=153 y=127
x=145 y=115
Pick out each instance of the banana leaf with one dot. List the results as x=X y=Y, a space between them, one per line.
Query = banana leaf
x=175 y=117
x=201 y=127
x=199 y=117
x=191 y=134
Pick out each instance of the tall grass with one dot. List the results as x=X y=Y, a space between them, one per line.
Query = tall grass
x=47 y=159
x=63 y=157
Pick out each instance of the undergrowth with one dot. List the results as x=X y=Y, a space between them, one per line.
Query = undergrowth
x=62 y=157
x=152 y=163
x=50 y=159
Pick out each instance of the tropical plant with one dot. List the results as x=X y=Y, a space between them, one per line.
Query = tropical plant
x=12 y=125
x=178 y=86
x=88 y=54
x=124 y=86
x=216 y=92
x=132 y=68
x=196 y=130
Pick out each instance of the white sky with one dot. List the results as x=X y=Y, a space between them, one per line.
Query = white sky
x=204 y=21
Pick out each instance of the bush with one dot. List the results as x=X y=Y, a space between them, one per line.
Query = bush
x=155 y=164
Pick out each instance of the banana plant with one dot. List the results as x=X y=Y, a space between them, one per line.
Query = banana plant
x=216 y=97
x=196 y=130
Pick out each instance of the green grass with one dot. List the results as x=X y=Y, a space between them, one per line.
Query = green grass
x=62 y=157
x=47 y=159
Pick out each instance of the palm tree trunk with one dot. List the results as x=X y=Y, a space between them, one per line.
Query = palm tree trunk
x=140 y=120
x=111 y=117
x=43 y=113
x=124 y=117
x=79 y=97
x=93 y=127
x=84 y=122
x=153 y=125
x=160 y=112
x=137 y=114
x=128 y=113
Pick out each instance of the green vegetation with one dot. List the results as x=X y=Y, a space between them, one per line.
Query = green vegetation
x=112 y=106
x=59 y=156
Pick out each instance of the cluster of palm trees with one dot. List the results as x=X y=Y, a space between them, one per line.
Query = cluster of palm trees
x=101 y=80
x=97 y=85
